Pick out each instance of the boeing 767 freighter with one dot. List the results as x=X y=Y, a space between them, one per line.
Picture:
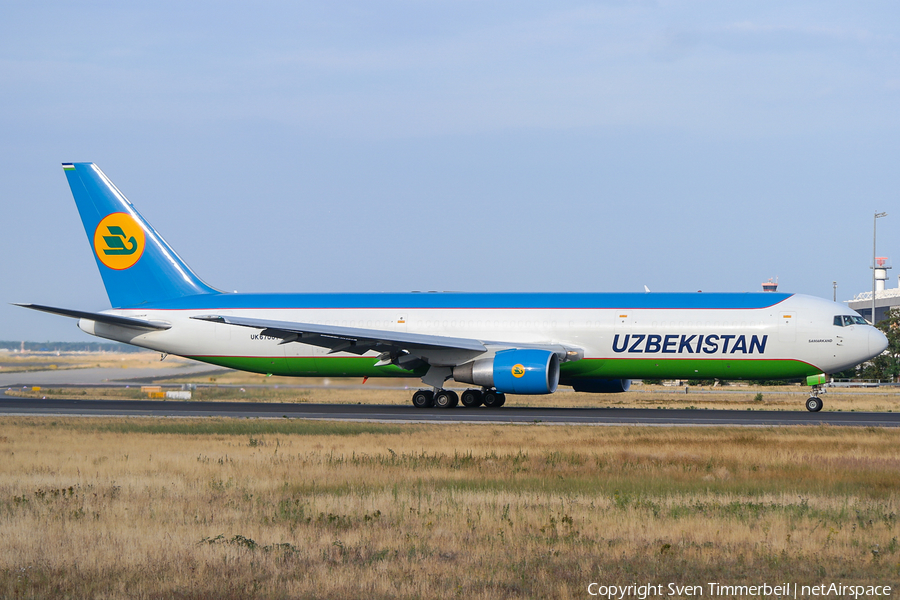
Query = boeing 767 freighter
x=499 y=343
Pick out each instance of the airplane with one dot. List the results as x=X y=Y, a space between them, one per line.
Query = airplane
x=506 y=343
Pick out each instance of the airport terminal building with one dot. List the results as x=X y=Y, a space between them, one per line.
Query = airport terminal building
x=885 y=300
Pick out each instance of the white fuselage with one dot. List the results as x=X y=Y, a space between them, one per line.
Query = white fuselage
x=800 y=329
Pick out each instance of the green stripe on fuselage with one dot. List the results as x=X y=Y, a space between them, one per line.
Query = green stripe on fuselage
x=684 y=368
x=600 y=368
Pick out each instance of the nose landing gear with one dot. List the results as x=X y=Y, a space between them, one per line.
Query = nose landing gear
x=814 y=403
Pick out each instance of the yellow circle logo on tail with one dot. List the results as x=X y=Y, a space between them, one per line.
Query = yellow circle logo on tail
x=118 y=241
x=518 y=371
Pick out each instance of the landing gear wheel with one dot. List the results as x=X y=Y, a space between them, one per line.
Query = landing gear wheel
x=814 y=404
x=423 y=399
x=446 y=399
x=494 y=399
x=471 y=398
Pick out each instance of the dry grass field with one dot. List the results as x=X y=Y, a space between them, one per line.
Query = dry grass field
x=217 y=508
x=15 y=362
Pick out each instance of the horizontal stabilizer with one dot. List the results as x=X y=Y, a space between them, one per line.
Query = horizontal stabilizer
x=100 y=317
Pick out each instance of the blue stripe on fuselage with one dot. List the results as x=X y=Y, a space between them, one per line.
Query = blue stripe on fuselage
x=450 y=300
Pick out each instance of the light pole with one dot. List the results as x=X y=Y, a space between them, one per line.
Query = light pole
x=878 y=215
x=834 y=285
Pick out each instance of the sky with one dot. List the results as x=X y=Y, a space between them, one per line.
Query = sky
x=466 y=145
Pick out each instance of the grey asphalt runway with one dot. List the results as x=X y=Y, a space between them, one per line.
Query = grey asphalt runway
x=507 y=414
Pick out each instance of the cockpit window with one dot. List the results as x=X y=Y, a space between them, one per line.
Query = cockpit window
x=847 y=320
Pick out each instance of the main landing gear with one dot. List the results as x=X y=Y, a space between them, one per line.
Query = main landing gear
x=440 y=398
x=814 y=403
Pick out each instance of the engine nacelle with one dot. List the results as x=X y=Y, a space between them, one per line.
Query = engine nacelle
x=601 y=386
x=524 y=371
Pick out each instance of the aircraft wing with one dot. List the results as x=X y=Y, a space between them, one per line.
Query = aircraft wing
x=406 y=350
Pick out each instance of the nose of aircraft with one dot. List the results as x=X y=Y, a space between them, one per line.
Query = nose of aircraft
x=878 y=343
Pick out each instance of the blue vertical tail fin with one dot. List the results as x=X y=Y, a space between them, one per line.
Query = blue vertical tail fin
x=136 y=264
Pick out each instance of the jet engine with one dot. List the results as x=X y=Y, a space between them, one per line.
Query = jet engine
x=514 y=371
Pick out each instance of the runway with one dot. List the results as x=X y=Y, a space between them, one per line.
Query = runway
x=393 y=413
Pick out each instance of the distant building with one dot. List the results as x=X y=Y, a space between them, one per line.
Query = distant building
x=884 y=301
